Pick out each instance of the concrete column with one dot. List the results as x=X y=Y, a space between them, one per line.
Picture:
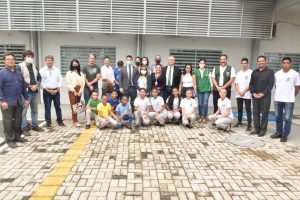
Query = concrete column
x=139 y=45
x=254 y=52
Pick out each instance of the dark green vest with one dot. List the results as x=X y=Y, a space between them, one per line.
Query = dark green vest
x=203 y=83
x=226 y=76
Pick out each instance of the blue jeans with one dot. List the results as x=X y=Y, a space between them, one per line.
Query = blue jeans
x=33 y=102
x=203 y=103
x=48 y=98
x=128 y=118
x=87 y=93
x=288 y=108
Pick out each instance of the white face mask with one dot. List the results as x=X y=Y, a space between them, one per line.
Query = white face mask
x=144 y=62
x=143 y=72
x=29 y=60
x=201 y=65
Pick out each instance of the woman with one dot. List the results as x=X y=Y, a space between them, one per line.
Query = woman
x=188 y=81
x=173 y=106
x=143 y=80
x=145 y=62
x=158 y=80
x=75 y=83
x=203 y=88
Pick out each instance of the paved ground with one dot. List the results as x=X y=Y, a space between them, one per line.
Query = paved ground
x=153 y=163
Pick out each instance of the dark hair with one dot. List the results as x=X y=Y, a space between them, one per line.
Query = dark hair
x=184 y=69
x=129 y=56
x=137 y=58
x=143 y=66
x=78 y=67
x=28 y=53
x=245 y=59
x=120 y=63
x=224 y=55
x=92 y=54
x=262 y=56
x=124 y=96
x=146 y=59
x=202 y=59
x=171 y=99
x=49 y=57
x=189 y=90
x=95 y=91
x=286 y=58
x=153 y=89
x=115 y=91
x=9 y=54
x=158 y=65
x=143 y=90
x=106 y=57
x=104 y=95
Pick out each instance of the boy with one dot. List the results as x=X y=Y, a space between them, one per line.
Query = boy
x=159 y=113
x=114 y=100
x=105 y=115
x=91 y=109
x=223 y=117
x=188 y=106
x=124 y=113
x=142 y=108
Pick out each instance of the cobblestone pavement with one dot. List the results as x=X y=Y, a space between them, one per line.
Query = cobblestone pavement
x=152 y=163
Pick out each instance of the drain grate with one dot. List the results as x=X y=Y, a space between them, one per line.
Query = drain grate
x=245 y=141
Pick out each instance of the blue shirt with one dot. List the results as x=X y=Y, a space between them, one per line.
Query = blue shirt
x=113 y=102
x=12 y=87
x=123 y=109
x=116 y=73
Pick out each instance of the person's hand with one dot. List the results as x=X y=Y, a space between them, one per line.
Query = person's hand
x=138 y=112
x=33 y=87
x=55 y=91
x=79 y=93
x=91 y=88
x=214 y=117
x=4 y=105
x=219 y=88
x=75 y=93
x=146 y=116
x=185 y=117
x=179 y=91
x=157 y=114
x=121 y=90
x=26 y=104
x=255 y=96
x=261 y=95
x=106 y=119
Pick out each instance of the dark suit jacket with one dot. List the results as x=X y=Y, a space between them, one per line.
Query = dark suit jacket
x=123 y=77
x=176 y=76
x=161 y=81
x=148 y=82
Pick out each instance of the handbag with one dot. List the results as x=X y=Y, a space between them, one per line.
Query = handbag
x=107 y=87
x=79 y=107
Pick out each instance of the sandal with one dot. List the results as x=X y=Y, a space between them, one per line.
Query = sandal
x=227 y=129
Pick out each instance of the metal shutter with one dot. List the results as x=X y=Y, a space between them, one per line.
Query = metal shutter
x=274 y=60
x=4 y=16
x=192 y=56
x=16 y=49
x=67 y=53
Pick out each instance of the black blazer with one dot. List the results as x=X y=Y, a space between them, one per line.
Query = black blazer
x=149 y=85
x=176 y=76
x=161 y=81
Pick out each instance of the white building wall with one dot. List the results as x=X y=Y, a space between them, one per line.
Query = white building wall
x=15 y=37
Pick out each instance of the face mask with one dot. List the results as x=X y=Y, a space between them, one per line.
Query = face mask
x=29 y=60
x=74 y=68
x=201 y=65
x=129 y=62
x=157 y=61
x=144 y=62
x=137 y=63
x=143 y=72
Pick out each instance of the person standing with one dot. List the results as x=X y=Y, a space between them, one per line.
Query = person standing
x=32 y=79
x=145 y=62
x=92 y=75
x=157 y=61
x=75 y=83
x=203 y=89
x=287 y=86
x=138 y=63
x=126 y=79
x=143 y=80
x=261 y=84
x=222 y=78
x=188 y=81
x=108 y=77
x=117 y=70
x=12 y=88
x=243 y=94
x=158 y=80
x=51 y=83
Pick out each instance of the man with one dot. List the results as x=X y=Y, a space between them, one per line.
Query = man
x=117 y=70
x=51 y=83
x=126 y=79
x=108 y=77
x=222 y=78
x=138 y=63
x=243 y=94
x=287 y=86
x=157 y=61
x=261 y=84
x=32 y=79
x=92 y=75
x=173 y=76
x=12 y=88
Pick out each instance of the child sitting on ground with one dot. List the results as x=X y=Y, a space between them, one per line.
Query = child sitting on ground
x=158 y=112
x=188 y=106
x=172 y=106
x=105 y=115
x=114 y=100
x=142 y=108
x=91 y=109
x=124 y=113
x=223 y=117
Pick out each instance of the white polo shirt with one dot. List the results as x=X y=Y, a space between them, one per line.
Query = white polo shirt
x=157 y=103
x=188 y=105
x=107 y=73
x=142 y=104
x=224 y=105
x=243 y=80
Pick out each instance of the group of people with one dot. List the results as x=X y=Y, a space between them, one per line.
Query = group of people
x=136 y=93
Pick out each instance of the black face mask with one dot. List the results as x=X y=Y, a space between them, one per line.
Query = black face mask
x=74 y=68
x=138 y=63
x=157 y=61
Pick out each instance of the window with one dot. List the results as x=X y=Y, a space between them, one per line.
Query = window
x=16 y=49
x=274 y=60
x=192 y=56
x=67 y=53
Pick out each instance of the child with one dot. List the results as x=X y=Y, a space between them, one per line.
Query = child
x=124 y=113
x=188 y=106
x=172 y=106
x=114 y=100
x=105 y=115
x=223 y=117
x=91 y=109
x=159 y=113
x=142 y=108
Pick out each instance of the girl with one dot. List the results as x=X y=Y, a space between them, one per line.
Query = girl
x=187 y=81
x=142 y=108
x=145 y=62
x=158 y=113
x=173 y=107
x=158 y=80
x=188 y=106
x=143 y=80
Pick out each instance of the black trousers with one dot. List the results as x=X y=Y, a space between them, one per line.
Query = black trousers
x=240 y=102
x=12 y=120
x=261 y=106
x=216 y=96
x=132 y=93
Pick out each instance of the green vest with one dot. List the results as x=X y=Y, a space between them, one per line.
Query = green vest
x=226 y=76
x=203 y=83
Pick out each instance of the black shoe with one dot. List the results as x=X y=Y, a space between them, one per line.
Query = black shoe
x=22 y=140
x=26 y=133
x=275 y=135
x=87 y=126
x=254 y=132
x=48 y=125
x=283 y=139
x=214 y=124
x=39 y=129
x=248 y=128
x=262 y=133
x=12 y=145
x=162 y=125
x=129 y=126
x=237 y=125
x=61 y=124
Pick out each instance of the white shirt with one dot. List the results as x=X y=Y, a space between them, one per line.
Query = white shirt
x=176 y=103
x=51 y=77
x=142 y=82
x=222 y=69
x=243 y=80
x=107 y=73
x=142 y=104
x=285 y=85
x=187 y=80
x=157 y=103
x=73 y=80
x=188 y=105
x=167 y=75
x=224 y=105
